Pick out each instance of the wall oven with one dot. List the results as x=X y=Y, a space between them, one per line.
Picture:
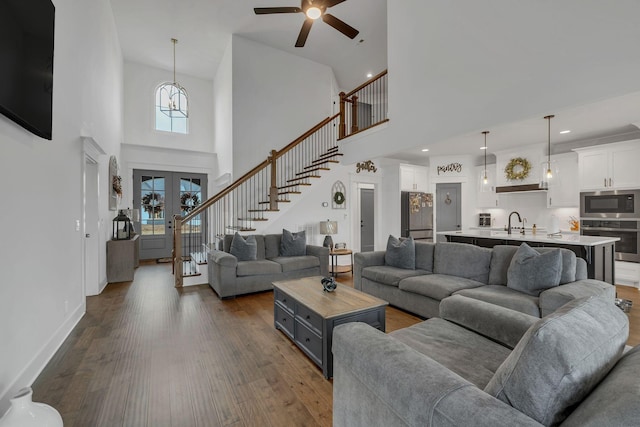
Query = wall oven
x=613 y=214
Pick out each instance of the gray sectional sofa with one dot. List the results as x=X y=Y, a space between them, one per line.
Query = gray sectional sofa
x=445 y=269
x=479 y=364
x=230 y=277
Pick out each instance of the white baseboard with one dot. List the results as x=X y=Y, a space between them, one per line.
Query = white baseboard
x=40 y=360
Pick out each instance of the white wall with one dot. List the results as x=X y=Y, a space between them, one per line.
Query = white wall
x=222 y=112
x=140 y=83
x=41 y=296
x=276 y=98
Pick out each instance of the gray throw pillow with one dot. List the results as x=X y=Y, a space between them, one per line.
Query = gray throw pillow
x=400 y=253
x=531 y=272
x=293 y=244
x=244 y=249
x=561 y=358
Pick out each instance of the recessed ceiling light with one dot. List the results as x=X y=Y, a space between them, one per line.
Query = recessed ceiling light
x=369 y=75
x=564 y=131
x=425 y=149
x=483 y=148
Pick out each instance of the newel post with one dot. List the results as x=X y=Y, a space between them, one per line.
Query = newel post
x=177 y=250
x=342 y=127
x=354 y=114
x=273 y=188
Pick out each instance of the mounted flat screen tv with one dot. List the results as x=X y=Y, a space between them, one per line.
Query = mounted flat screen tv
x=26 y=63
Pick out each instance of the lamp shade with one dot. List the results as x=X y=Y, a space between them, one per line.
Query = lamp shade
x=329 y=227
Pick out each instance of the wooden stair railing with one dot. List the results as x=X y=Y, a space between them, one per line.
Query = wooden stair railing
x=368 y=106
x=255 y=193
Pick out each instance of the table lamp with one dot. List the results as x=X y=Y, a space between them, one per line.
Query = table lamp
x=328 y=227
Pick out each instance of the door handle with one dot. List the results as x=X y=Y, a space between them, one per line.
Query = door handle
x=87 y=235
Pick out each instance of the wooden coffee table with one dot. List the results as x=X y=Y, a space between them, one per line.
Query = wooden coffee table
x=307 y=315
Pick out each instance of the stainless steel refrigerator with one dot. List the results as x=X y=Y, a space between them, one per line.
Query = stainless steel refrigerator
x=417 y=215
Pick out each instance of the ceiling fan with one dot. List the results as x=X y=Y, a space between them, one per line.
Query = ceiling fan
x=313 y=9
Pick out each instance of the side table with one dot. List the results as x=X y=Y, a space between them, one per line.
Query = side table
x=122 y=259
x=337 y=269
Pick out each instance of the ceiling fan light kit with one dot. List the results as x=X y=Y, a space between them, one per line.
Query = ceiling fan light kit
x=312 y=9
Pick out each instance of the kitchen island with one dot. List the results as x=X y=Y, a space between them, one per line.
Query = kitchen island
x=598 y=252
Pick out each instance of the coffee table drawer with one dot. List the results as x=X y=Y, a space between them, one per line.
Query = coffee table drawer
x=284 y=299
x=313 y=320
x=309 y=342
x=284 y=320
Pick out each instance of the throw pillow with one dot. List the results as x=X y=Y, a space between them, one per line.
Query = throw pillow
x=400 y=253
x=293 y=244
x=244 y=249
x=531 y=272
x=561 y=358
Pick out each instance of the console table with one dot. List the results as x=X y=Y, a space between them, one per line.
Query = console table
x=122 y=259
x=307 y=315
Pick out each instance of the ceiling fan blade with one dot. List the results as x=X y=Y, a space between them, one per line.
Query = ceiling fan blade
x=304 y=32
x=269 y=10
x=339 y=25
x=331 y=3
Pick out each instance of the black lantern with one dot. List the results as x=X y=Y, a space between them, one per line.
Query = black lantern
x=121 y=226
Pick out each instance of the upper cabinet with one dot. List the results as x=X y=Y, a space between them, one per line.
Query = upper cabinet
x=523 y=162
x=414 y=178
x=610 y=166
x=567 y=191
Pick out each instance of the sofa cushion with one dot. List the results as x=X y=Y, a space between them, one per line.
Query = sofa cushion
x=258 y=267
x=436 y=286
x=470 y=355
x=502 y=255
x=462 y=260
x=561 y=358
x=244 y=249
x=293 y=244
x=531 y=272
x=388 y=275
x=228 y=238
x=272 y=245
x=294 y=263
x=424 y=255
x=400 y=253
x=619 y=393
x=504 y=297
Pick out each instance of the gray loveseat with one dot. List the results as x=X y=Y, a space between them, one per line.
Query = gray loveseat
x=230 y=277
x=479 y=364
x=445 y=269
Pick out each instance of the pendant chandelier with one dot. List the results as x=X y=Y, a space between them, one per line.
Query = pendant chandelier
x=485 y=185
x=173 y=97
x=549 y=169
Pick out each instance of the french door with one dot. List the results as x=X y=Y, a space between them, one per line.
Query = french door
x=159 y=195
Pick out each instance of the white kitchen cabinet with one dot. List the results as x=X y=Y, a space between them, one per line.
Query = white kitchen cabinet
x=487 y=199
x=414 y=178
x=566 y=193
x=610 y=166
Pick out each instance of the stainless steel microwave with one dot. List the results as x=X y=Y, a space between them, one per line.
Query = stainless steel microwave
x=610 y=204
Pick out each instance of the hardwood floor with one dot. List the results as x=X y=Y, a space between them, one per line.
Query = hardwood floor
x=147 y=354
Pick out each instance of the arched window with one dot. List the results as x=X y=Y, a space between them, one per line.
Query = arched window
x=171 y=108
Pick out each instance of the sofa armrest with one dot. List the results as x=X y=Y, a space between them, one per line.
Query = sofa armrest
x=362 y=260
x=381 y=381
x=498 y=323
x=222 y=272
x=554 y=298
x=323 y=255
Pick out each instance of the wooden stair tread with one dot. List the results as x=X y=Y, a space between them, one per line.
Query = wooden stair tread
x=237 y=228
x=253 y=219
x=313 y=169
x=289 y=192
x=293 y=185
x=303 y=177
x=265 y=210
x=279 y=201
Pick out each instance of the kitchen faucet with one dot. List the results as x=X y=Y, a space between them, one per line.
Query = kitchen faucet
x=509 y=226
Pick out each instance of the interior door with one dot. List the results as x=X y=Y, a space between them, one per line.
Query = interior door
x=367 y=235
x=448 y=207
x=160 y=195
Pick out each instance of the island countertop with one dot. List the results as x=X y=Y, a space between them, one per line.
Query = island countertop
x=562 y=239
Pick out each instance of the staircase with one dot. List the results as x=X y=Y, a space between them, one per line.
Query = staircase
x=256 y=195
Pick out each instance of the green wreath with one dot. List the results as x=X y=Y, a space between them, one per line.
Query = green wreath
x=152 y=203
x=189 y=201
x=517 y=169
x=338 y=198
